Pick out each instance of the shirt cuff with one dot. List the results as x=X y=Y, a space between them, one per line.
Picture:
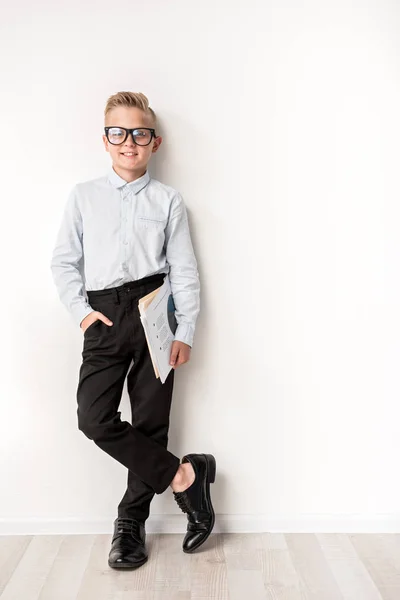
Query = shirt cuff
x=185 y=333
x=80 y=312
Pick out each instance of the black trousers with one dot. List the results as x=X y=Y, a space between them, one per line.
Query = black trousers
x=107 y=354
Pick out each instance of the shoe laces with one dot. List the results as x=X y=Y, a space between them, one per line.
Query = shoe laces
x=126 y=525
x=183 y=502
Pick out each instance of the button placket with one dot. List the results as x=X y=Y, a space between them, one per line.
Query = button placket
x=125 y=192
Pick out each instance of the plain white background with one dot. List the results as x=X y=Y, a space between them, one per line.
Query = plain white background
x=281 y=130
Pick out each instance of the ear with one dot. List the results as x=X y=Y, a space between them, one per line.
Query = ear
x=105 y=140
x=157 y=143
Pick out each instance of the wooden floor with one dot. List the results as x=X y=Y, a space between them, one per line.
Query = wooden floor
x=243 y=566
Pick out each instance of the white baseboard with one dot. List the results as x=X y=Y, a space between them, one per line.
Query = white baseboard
x=224 y=523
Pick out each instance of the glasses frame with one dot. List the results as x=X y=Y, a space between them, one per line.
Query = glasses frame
x=129 y=131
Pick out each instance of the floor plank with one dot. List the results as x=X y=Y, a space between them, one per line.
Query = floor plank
x=240 y=566
x=12 y=549
x=31 y=572
x=380 y=554
x=347 y=567
x=316 y=578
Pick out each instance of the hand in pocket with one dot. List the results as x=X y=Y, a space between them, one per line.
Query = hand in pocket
x=95 y=315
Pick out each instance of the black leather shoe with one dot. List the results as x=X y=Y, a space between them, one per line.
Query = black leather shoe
x=196 y=501
x=128 y=544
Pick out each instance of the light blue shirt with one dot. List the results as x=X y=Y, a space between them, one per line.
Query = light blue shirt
x=113 y=232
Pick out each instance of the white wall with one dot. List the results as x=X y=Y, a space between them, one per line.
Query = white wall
x=281 y=130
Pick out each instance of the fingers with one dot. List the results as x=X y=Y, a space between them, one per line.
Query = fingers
x=179 y=363
x=181 y=360
x=174 y=355
x=103 y=318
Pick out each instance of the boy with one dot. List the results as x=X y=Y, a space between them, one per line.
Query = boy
x=119 y=236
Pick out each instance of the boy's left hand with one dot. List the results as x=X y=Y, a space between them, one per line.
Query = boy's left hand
x=180 y=353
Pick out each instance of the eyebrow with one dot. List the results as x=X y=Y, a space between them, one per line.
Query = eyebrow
x=136 y=127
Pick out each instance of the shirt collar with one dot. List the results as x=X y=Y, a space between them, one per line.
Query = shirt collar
x=133 y=186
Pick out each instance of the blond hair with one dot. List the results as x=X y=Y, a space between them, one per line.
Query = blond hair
x=135 y=99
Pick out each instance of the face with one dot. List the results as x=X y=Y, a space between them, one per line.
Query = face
x=134 y=166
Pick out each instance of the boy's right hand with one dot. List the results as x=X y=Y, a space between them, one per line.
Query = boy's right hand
x=92 y=317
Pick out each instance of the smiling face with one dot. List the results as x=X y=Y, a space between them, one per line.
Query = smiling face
x=133 y=166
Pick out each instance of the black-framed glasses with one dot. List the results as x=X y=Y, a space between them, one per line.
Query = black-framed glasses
x=141 y=135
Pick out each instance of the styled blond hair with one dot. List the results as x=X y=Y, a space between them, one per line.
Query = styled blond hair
x=135 y=99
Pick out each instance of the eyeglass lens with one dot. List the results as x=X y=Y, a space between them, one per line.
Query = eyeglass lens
x=116 y=135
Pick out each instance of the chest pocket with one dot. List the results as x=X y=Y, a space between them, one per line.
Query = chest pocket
x=152 y=223
x=151 y=230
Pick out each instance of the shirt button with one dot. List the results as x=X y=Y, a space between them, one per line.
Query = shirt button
x=125 y=243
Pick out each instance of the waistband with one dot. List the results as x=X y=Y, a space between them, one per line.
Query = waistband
x=128 y=287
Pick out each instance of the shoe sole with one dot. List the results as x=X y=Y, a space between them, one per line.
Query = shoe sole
x=210 y=478
x=127 y=565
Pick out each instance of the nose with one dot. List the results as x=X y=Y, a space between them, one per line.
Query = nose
x=130 y=137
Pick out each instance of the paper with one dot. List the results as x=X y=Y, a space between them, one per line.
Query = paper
x=143 y=304
x=157 y=313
